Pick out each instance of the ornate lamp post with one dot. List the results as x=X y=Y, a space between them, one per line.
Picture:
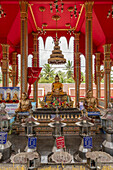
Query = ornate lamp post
x=84 y=125
x=5 y=146
x=58 y=155
x=30 y=124
x=57 y=126
x=107 y=124
x=30 y=156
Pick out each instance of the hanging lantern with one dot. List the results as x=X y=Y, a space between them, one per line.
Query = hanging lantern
x=56 y=57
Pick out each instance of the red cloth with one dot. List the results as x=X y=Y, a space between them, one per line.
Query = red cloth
x=33 y=74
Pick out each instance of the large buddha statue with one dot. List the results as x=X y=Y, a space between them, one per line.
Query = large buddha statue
x=90 y=102
x=57 y=87
x=57 y=96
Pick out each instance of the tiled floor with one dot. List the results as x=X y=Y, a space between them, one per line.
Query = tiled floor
x=45 y=144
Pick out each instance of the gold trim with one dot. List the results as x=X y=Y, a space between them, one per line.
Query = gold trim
x=79 y=17
x=67 y=24
x=33 y=17
x=57 y=29
x=38 y=28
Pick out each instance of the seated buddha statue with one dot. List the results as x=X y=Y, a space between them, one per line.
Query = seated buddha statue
x=90 y=102
x=56 y=97
x=24 y=104
x=15 y=97
x=57 y=87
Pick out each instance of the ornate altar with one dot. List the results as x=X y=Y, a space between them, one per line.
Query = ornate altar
x=57 y=97
x=9 y=94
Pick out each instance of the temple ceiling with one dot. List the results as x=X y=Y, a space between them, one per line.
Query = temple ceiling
x=10 y=25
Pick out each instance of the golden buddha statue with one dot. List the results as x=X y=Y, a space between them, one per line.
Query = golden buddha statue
x=15 y=97
x=1 y=95
x=8 y=97
x=90 y=102
x=57 y=87
x=56 y=97
x=24 y=104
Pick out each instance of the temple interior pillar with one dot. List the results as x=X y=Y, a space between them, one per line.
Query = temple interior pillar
x=88 y=45
x=107 y=69
x=24 y=44
x=14 y=71
x=77 y=70
x=5 y=65
x=98 y=76
x=35 y=64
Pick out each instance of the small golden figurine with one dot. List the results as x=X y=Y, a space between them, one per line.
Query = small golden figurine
x=8 y=97
x=15 y=97
x=1 y=95
x=24 y=104
x=90 y=102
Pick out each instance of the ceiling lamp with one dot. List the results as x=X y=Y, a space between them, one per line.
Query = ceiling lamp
x=2 y=13
x=57 y=5
x=42 y=31
x=110 y=12
x=70 y=30
x=56 y=57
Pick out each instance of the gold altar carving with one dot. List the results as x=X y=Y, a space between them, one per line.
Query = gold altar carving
x=56 y=97
x=24 y=104
x=90 y=102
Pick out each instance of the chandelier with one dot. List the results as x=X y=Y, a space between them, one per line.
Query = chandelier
x=73 y=11
x=56 y=57
x=2 y=13
x=57 y=5
x=71 y=30
x=42 y=30
x=110 y=12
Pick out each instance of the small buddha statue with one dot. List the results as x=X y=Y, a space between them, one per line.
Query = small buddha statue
x=8 y=97
x=24 y=104
x=57 y=87
x=1 y=95
x=90 y=102
x=15 y=97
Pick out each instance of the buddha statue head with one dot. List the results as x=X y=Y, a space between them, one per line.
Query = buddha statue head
x=24 y=96
x=89 y=94
x=56 y=78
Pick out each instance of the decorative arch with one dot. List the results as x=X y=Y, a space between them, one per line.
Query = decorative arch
x=30 y=57
x=83 y=71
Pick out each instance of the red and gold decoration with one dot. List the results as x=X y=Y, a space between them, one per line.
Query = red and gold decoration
x=33 y=74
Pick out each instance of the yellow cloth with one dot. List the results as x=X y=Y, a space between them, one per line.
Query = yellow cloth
x=57 y=86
